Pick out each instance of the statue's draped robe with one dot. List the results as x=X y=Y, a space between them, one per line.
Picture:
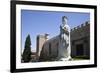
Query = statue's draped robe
x=64 y=47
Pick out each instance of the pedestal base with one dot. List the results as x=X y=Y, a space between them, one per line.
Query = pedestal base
x=66 y=59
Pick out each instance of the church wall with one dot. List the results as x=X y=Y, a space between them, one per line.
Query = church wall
x=81 y=35
x=50 y=49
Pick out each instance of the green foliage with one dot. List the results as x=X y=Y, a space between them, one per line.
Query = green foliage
x=27 y=50
x=81 y=58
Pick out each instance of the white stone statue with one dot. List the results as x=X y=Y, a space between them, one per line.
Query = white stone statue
x=65 y=46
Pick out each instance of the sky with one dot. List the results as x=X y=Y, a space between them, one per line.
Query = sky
x=40 y=22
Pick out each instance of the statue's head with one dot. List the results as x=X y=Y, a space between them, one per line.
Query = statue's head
x=64 y=20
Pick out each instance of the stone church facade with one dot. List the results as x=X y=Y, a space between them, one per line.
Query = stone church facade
x=80 y=41
x=47 y=49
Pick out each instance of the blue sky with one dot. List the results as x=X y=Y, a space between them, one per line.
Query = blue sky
x=40 y=22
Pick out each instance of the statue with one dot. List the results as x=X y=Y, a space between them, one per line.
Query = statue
x=64 y=47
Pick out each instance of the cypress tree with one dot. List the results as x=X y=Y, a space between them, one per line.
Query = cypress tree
x=27 y=50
